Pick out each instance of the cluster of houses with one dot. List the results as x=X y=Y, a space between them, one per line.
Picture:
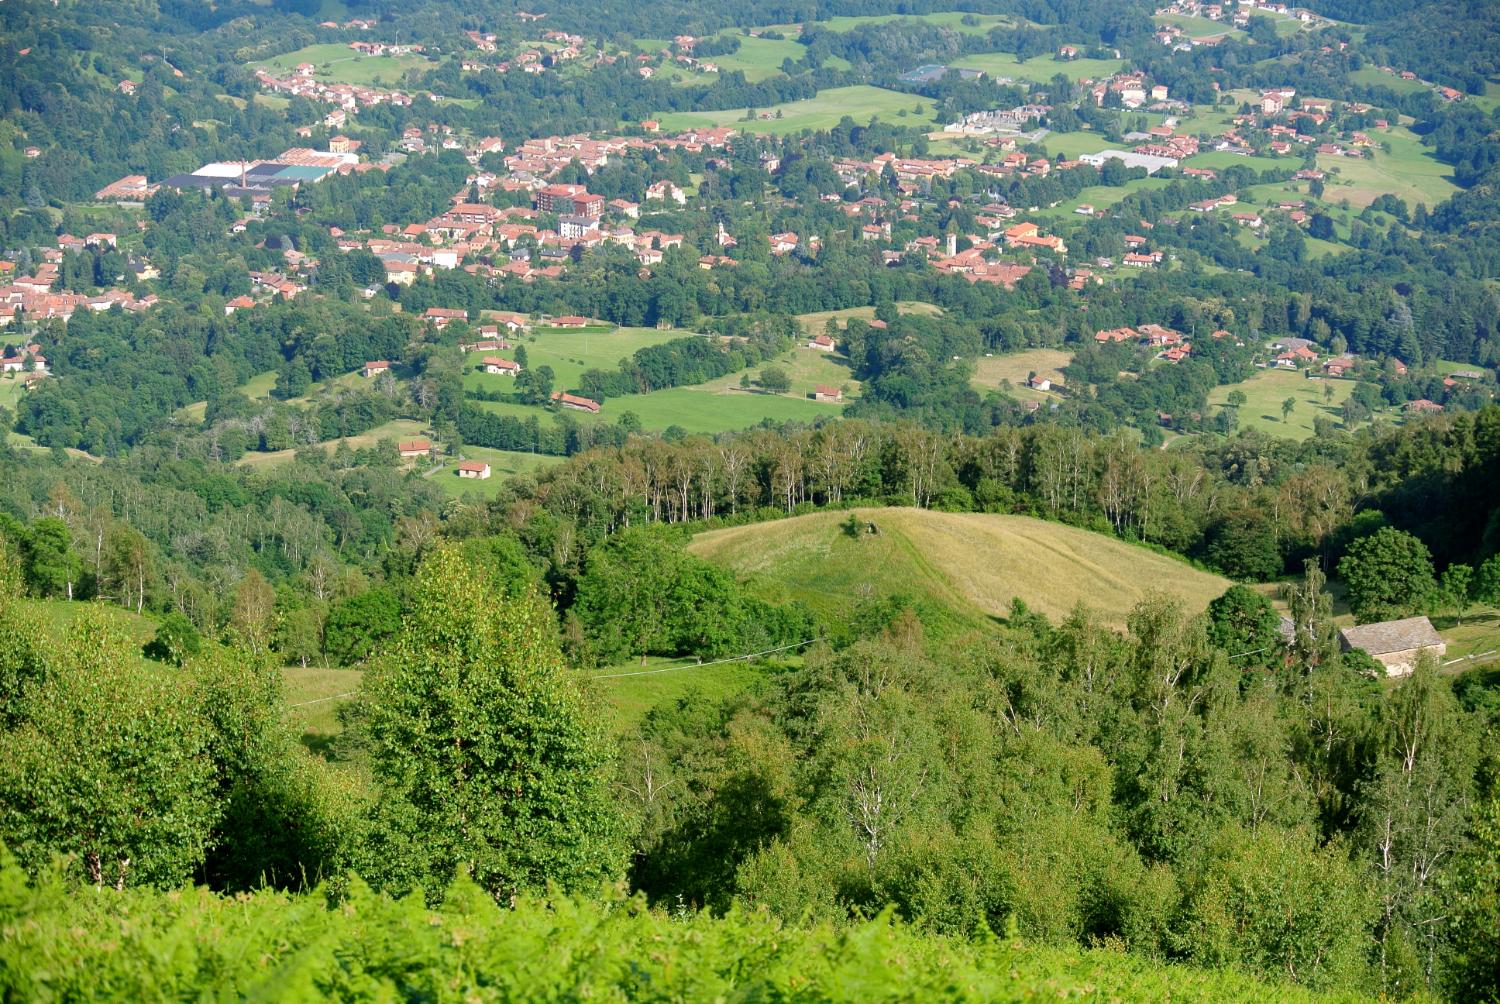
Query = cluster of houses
x=26 y=361
x=345 y=98
x=1172 y=346
x=1233 y=16
x=35 y=297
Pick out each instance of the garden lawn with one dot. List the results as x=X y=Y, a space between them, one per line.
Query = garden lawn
x=860 y=102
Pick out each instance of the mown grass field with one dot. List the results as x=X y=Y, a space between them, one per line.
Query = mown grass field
x=815 y=322
x=1074 y=144
x=992 y=371
x=1038 y=68
x=10 y=392
x=1370 y=76
x=1409 y=171
x=860 y=102
x=398 y=429
x=705 y=408
x=759 y=58
x=341 y=64
x=807 y=368
x=570 y=352
x=717 y=406
x=1101 y=197
x=503 y=464
x=1265 y=391
x=961 y=569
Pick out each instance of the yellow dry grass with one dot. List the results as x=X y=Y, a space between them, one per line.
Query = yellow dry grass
x=969 y=565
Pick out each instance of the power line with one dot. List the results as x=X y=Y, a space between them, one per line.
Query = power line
x=702 y=665
x=320 y=700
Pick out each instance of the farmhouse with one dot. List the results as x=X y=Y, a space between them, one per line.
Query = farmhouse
x=570 y=321
x=474 y=469
x=1396 y=645
x=822 y=343
x=500 y=367
x=827 y=395
x=375 y=368
x=575 y=402
x=414 y=448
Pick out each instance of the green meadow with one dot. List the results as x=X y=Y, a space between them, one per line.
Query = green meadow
x=1265 y=391
x=860 y=102
x=1409 y=171
x=341 y=64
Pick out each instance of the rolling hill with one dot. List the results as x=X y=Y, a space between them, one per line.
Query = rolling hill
x=961 y=568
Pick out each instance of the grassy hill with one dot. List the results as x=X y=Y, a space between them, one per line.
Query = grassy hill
x=961 y=568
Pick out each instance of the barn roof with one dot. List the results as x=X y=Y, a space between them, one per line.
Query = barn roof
x=1392 y=636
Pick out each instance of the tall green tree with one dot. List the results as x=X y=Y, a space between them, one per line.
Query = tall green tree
x=108 y=764
x=486 y=758
x=1388 y=575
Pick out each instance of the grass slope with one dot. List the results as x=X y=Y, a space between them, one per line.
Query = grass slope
x=341 y=64
x=962 y=568
x=1265 y=391
x=860 y=102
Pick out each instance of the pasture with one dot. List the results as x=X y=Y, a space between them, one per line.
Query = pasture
x=341 y=64
x=992 y=372
x=1409 y=171
x=961 y=570
x=860 y=102
x=759 y=58
x=397 y=429
x=504 y=464
x=1265 y=391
